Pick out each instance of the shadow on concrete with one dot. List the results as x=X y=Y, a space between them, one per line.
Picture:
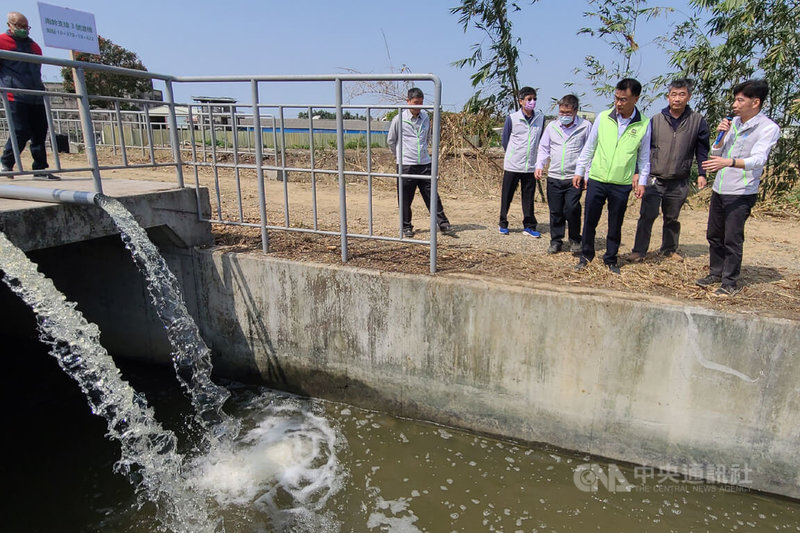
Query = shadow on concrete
x=251 y=356
x=270 y=370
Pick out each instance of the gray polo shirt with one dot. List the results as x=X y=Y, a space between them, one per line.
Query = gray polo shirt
x=415 y=136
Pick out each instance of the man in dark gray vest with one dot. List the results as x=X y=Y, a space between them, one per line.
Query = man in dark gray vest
x=679 y=135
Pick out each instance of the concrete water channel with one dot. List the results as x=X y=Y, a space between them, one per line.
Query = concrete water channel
x=694 y=394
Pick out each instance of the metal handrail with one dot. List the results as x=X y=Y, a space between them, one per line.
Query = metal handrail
x=118 y=128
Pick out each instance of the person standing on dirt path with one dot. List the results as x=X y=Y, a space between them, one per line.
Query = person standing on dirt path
x=618 y=143
x=27 y=110
x=408 y=138
x=561 y=145
x=738 y=159
x=521 y=133
x=678 y=135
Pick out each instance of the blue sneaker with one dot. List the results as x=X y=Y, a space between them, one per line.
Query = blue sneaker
x=503 y=231
x=531 y=233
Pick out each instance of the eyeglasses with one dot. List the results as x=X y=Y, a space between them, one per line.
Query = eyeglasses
x=19 y=27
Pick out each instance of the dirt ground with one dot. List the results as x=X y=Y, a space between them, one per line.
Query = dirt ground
x=470 y=194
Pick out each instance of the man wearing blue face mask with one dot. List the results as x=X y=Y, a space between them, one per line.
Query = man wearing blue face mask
x=521 y=134
x=561 y=145
x=27 y=110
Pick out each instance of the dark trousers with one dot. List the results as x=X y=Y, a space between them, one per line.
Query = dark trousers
x=527 y=183
x=596 y=195
x=726 y=217
x=564 y=202
x=30 y=124
x=410 y=186
x=668 y=196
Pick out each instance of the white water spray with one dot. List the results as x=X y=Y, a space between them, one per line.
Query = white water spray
x=148 y=451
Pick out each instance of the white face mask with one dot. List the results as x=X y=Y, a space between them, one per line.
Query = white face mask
x=566 y=120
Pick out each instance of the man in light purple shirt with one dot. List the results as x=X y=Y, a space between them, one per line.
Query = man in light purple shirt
x=560 y=146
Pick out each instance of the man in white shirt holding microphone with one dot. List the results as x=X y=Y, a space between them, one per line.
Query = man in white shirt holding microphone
x=738 y=156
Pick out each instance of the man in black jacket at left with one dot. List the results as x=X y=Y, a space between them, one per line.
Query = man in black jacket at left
x=27 y=110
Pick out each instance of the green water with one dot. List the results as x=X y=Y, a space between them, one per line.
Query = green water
x=390 y=474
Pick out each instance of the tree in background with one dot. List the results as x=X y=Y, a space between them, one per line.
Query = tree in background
x=392 y=91
x=102 y=83
x=498 y=71
x=747 y=39
x=617 y=22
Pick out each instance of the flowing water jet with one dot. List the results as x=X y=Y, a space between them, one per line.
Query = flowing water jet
x=191 y=356
x=148 y=452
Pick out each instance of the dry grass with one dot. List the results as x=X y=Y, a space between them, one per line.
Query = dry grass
x=470 y=178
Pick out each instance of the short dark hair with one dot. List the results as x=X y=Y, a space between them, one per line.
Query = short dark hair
x=630 y=84
x=525 y=91
x=682 y=83
x=570 y=100
x=415 y=92
x=753 y=89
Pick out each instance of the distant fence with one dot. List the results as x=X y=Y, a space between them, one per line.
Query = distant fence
x=135 y=125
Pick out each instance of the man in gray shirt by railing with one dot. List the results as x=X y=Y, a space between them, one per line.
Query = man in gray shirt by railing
x=410 y=132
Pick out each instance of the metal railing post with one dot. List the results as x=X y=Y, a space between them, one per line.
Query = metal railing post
x=437 y=112
x=340 y=167
x=140 y=124
x=259 y=142
x=174 y=135
x=201 y=117
x=235 y=142
x=313 y=166
x=150 y=138
x=283 y=173
x=274 y=140
x=87 y=128
x=12 y=132
x=192 y=140
x=113 y=137
x=399 y=157
x=53 y=141
x=121 y=128
x=369 y=171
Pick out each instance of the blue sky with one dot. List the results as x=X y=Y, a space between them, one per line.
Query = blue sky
x=241 y=37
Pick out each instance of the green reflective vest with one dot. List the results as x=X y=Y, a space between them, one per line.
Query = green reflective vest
x=614 y=158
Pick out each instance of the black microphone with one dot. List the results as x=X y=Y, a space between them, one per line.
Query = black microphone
x=721 y=134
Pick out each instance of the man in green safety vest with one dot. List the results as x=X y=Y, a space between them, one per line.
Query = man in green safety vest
x=616 y=153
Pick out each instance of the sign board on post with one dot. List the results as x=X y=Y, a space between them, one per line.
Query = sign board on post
x=70 y=29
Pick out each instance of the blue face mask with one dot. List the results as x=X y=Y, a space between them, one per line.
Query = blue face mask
x=566 y=121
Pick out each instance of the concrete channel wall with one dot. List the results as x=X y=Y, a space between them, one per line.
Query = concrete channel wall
x=639 y=381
